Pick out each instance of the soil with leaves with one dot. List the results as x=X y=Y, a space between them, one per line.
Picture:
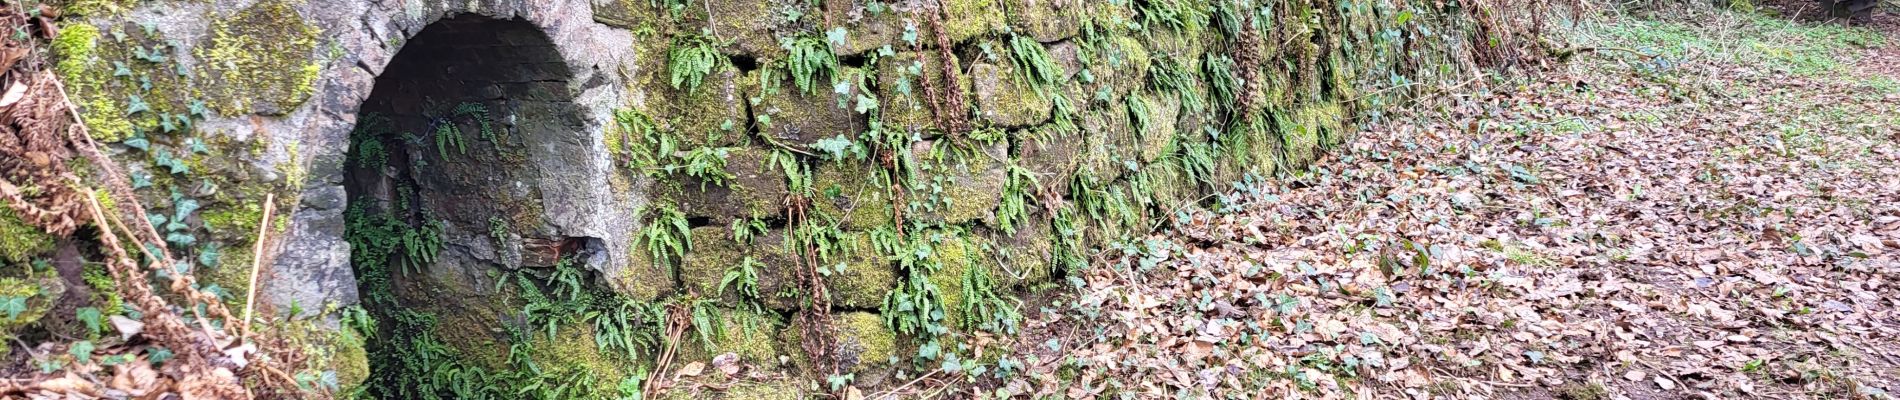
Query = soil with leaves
x=1699 y=205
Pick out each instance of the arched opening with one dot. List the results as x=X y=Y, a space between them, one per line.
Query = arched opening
x=463 y=132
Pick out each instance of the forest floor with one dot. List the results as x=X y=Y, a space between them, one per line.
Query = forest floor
x=1706 y=205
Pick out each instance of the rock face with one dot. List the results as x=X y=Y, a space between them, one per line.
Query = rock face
x=462 y=159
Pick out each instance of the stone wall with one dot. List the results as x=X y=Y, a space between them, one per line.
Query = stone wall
x=842 y=133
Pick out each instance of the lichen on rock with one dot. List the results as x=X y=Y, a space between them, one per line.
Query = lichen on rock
x=264 y=57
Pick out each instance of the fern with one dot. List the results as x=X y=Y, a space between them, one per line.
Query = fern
x=1034 y=64
x=690 y=60
x=982 y=308
x=1169 y=76
x=1173 y=14
x=809 y=60
x=1014 y=207
x=1139 y=114
x=706 y=163
x=479 y=113
x=668 y=236
x=743 y=279
x=1226 y=85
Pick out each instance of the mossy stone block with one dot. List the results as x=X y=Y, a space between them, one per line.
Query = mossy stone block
x=861 y=345
x=1111 y=147
x=1046 y=21
x=753 y=28
x=901 y=80
x=1053 y=153
x=712 y=114
x=263 y=59
x=867 y=277
x=756 y=189
x=965 y=19
x=641 y=278
x=1004 y=98
x=754 y=337
x=958 y=185
x=1162 y=114
x=802 y=119
x=20 y=242
x=715 y=253
x=867 y=28
x=856 y=192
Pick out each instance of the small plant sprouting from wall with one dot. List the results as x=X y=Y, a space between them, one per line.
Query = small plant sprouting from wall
x=1034 y=64
x=449 y=135
x=983 y=309
x=690 y=60
x=667 y=235
x=1017 y=192
x=809 y=61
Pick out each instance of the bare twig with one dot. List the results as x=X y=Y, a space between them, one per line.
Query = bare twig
x=257 y=254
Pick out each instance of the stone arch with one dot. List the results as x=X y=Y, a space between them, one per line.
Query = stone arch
x=456 y=141
x=368 y=39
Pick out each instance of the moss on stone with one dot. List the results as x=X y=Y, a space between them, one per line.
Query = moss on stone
x=95 y=8
x=1004 y=99
x=900 y=89
x=754 y=337
x=862 y=345
x=20 y=242
x=756 y=189
x=1308 y=129
x=85 y=77
x=264 y=58
x=39 y=295
x=867 y=276
x=714 y=114
x=802 y=119
x=351 y=363
x=572 y=352
x=854 y=192
x=957 y=252
x=781 y=389
x=960 y=185
x=641 y=278
x=715 y=252
x=1046 y=21
x=965 y=19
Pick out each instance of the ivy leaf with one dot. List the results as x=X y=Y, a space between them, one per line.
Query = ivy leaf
x=198 y=108
x=196 y=145
x=159 y=354
x=138 y=142
x=13 y=306
x=839 y=37
x=910 y=33
x=866 y=104
x=834 y=146
x=120 y=69
x=209 y=256
x=91 y=317
x=134 y=105
x=141 y=180
x=181 y=239
x=82 y=351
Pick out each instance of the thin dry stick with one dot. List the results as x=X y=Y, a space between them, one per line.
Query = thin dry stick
x=257 y=253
